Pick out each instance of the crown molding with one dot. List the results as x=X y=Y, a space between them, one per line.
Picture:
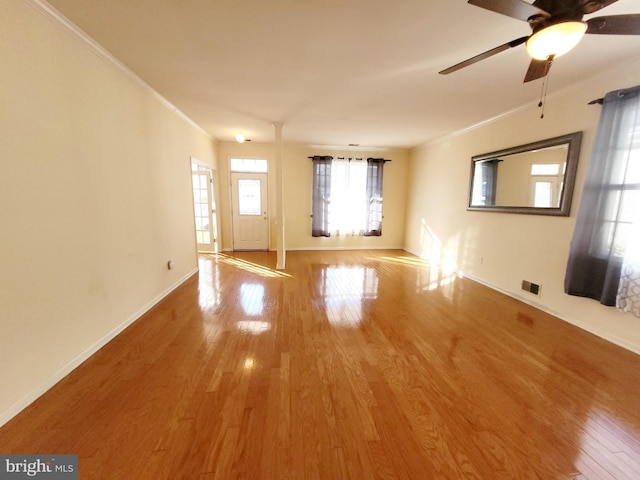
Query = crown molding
x=49 y=12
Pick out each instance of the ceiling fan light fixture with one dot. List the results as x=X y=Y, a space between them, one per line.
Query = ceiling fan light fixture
x=240 y=138
x=555 y=40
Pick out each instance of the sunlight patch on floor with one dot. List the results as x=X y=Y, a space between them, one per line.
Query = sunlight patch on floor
x=411 y=261
x=248 y=266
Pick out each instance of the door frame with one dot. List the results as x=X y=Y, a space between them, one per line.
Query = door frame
x=214 y=213
x=232 y=177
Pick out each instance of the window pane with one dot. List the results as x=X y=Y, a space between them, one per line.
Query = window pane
x=633 y=167
x=249 y=197
x=630 y=206
x=542 y=195
x=342 y=202
x=545 y=169
x=348 y=207
x=254 y=165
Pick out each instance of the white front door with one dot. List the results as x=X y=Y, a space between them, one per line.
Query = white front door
x=249 y=203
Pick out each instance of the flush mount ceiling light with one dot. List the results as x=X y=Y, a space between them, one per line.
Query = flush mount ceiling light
x=555 y=40
x=240 y=138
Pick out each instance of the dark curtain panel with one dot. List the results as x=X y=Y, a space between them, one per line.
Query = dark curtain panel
x=321 y=196
x=603 y=223
x=374 y=197
x=489 y=177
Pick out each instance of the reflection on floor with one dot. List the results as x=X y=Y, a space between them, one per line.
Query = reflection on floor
x=347 y=365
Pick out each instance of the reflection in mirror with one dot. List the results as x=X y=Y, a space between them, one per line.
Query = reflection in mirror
x=536 y=178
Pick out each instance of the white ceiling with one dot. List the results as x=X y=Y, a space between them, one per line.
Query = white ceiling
x=335 y=72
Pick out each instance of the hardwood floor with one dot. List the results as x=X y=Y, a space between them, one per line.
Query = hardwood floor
x=348 y=365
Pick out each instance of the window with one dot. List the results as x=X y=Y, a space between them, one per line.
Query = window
x=249 y=197
x=251 y=165
x=484 y=182
x=546 y=180
x=604 y=262
x=545 y=169
x=542 y=194
x=347 y=196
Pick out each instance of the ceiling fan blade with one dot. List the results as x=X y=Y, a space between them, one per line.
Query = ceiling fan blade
x=487 y=54
x=537 y=69
x=615 y=25
x=591 y=6
x=511 y=8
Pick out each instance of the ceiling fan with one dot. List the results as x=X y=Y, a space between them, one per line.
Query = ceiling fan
x=557 y=27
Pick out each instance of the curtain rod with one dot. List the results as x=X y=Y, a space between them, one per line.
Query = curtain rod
x=328 y=157
x=621 y=93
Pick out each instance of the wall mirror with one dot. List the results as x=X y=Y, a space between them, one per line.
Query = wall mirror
x=536 y=178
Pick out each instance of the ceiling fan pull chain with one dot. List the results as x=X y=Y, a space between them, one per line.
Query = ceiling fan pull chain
x=545 y=86
x=543 y=96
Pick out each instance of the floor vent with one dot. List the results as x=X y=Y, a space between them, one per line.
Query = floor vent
x=531 y=287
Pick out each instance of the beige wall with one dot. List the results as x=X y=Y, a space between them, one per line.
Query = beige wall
x=513 y=182
x=503 y=249
x=298 y=182
x=95 y=198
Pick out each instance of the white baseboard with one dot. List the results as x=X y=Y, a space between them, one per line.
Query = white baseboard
x=319 y=249
x=621 y=342
x=302 y=249
x=45 y=385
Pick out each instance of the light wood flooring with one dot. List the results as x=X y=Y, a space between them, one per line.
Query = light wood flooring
x=347 y=365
